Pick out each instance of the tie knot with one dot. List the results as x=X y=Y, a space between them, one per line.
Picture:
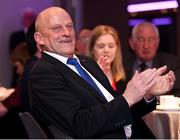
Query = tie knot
x=143 y=66
x=72 y=61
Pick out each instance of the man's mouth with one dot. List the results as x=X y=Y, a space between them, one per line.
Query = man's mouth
x=66 y=41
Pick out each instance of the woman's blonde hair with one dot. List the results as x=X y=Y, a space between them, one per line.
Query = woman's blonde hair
x=20 y=54
x=117 y=65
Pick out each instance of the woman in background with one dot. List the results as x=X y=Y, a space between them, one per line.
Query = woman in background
x=105 y=48
x=10 y=123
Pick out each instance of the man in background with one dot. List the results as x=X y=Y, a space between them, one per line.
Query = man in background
x=144 y=43
x=83 y=41
x=27 y=19
x=17 y=37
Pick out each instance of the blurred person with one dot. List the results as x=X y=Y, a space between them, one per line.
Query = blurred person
x=82 y=41
x=19 y=56
x=105 y=48
x=16 y=37
x=19 y=36
x=144 y=43
x=10 y=107
x=62 y=97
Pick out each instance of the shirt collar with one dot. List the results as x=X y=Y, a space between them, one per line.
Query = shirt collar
x=148 y=63
x=60 y=57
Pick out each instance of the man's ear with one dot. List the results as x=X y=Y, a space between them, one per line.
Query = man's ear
x=38 y=37
x=131 y=43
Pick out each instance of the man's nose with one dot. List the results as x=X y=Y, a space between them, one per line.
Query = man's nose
x=146 y=44
x=66 y=31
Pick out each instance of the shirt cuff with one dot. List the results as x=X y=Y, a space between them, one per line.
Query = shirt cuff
x=148 y=101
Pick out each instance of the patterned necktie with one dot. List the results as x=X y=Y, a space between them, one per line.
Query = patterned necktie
x=84 y=74
x=142 y=66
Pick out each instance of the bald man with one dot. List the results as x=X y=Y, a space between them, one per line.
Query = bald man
x=62 y=98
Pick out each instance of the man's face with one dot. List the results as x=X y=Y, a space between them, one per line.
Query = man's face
x=58 y=34
x=145 y=43
x=82 y=41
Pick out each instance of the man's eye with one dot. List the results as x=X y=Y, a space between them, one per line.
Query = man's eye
x=57 y=29
x=69 y=27
x=141 y=39
x=151 y=40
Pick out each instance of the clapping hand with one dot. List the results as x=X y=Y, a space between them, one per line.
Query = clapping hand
x=139 y=85
x=149 y=83
x=5 y=93
x=163 y=83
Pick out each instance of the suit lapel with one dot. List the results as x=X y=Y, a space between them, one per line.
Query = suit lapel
x=66 y=71
x=97 y=73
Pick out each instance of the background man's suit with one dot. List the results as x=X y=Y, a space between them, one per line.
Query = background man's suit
x=161 y=59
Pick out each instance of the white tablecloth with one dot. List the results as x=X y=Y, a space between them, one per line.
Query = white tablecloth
x=164 y=124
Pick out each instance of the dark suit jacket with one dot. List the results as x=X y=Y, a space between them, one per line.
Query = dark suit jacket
x=138 y=110
x=24 y=96
x=161 y=59
x=62 y=98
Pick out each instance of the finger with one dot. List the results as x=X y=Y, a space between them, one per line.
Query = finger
x=171 y=74
x=10 y=91
x=161 y=70
x=135 y=74
x=148 y=75
x=100 y=60
x=150 y=84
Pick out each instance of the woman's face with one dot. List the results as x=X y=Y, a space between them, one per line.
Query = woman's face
x=105 y=46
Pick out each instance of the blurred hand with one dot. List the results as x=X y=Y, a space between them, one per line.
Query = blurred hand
x=163 y=83
x=104 y=64
x=5 y=93
x=3 y=110
x=139 y=85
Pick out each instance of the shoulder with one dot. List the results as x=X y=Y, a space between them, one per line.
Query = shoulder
x=167 y=59
x=44 y=64
x=89 y=61
x=166 y=55
x=83 y=57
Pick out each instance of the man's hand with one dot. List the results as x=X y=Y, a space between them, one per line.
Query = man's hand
x=163 y=83
x=5 y=93
x=139 y=85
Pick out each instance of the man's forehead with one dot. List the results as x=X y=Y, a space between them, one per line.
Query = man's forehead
x=60 y=20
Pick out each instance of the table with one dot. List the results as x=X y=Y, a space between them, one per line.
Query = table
x=164 y=124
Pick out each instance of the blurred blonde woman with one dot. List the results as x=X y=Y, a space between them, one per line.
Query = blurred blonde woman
x=105 y=48
x=19 y=57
